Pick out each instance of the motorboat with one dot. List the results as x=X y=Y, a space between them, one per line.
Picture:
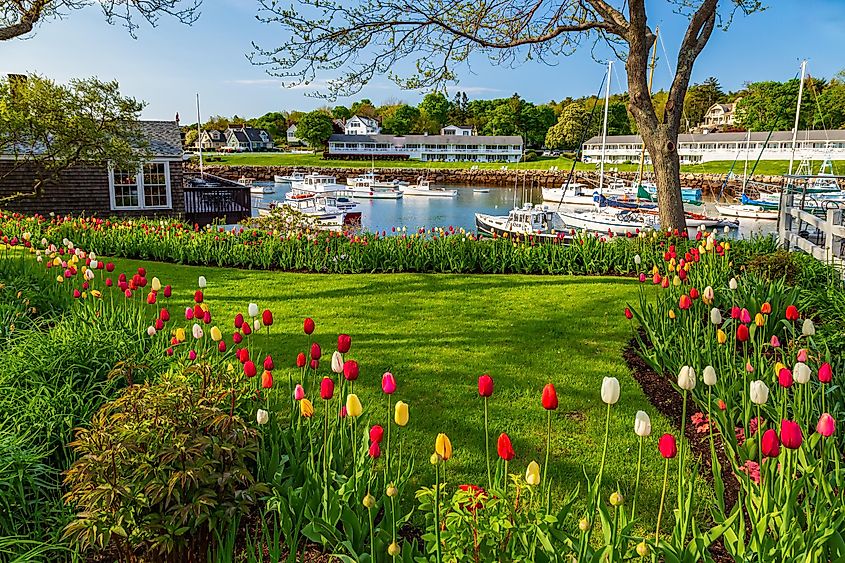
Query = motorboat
x=481 y=190
x=575 y=193
x=617 y=222
x=423 y=188
x=648 y=192
x=314 y=186
x=745 y=211
x=254 y=188
x=294 y=176
x=536 y=221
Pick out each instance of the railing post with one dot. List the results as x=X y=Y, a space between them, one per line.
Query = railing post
x=834 y=217
x=785 y=217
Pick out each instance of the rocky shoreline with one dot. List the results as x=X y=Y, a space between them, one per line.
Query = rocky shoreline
x=710 y=184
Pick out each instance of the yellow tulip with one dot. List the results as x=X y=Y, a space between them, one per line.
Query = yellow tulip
x=759 y=320
x=156 y=284
x=532 y=474
x=60 y=279
x=655 y=271
x=687 y=266
x=778 y=366
x=57 y=261
x=671 y=267
x=400 y=413
x=434 y=459
x=180 y=334
x=676 y=282
x=204 y=307
x=709 y=246
x=721 y=337
x=443 y=447
x=216 y=335
x=96 y=293
x=354 y=408
x=671 y=313
x=306 y=409
x=727 y=246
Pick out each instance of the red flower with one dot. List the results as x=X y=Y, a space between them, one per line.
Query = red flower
x=685 y=302
x=159 y=324
x=316 y=352
x=549 y=397
x=350 y=370
x=164 y=315
x=376 y=434
x=198 y=296
x=308 y=326
x=792 y=313
x=206 y=318
x=249 y=368
x=771 y=443
x=315 y=364
x=722 y=405
x=326 y=388
x=485 y=385
x=693 y=293
x=785 y=377
x=504 y=447
x=667 y=446
x=221 y=346
x=268 y=363
x=790 y=434
x=628 y=314
x=766 y=308
x=267 y=379
x=110 y=267
x=300 y=360
x=742 y=333
x=375 y=450
x=246 y=329
x=151 y=298
x=198 y=312
x=267 y=318
x=735 y=312
x=237 y=338
x=825 y=373
x=168 y=291
x=344 y=342
x=239 y=320
x=477 y=493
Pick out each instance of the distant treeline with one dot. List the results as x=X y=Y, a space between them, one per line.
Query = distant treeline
x=760 y=106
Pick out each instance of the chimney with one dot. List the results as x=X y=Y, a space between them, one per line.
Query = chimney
x=177 y=119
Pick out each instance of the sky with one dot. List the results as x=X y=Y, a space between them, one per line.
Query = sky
x=166 y=66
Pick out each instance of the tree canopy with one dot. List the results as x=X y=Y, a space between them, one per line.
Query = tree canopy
x=315 y=128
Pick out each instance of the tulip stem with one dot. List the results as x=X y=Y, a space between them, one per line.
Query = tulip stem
x=355 y=454
x=637 y=486
x=662 y=500
x=487 y=446
x=437 y=511
x=548 y=445
x=604 y=450
x=681 y=450
x=387 y=451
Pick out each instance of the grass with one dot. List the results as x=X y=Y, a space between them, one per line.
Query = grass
x=765 y=167
x=438 y=333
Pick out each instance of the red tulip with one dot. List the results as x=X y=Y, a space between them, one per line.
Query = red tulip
x=127 y=293
x=316 y=352
x=246 y=329
x=315 y=364
x=326 y=388
x=549 y=397
x=685 y=302
x=376 y=434
x=485 y=385
x=693 y=293
x=76 y=294
x=826 y=426
x=206 y=318
x=734 y=312
x=790 y=434
x=388 y=383
x=766 y=308
x=121 y=277
x=667 y=446
x=159 y=324
x=169 y=351
x=249 y=369
x=344 y=342
x=628 y=314
x=308 y=325
x=198 y=312
x=785 y=377
x=221 y=346
x=109 y=282
x=239 y=320
x=770 y=443
x=198 y=296
x=350 y=370
x=742 y=333
x=243 y=355
x=267 y=318
x=168 y=291
x=237 y=338
x=504 y=447
x=375 y=450
x=792 y=313
x=267 y=379
x=825 y=373
x=110 y=267
x=268 y=363
x=142 y=272
x=300 y=360
x=164 y=315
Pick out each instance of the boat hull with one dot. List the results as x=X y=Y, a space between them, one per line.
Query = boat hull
x=494 y=226
x=602 y=223
x=411 y=191
x=746 y=212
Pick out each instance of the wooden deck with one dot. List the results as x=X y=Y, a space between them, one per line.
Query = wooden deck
x=226 y=203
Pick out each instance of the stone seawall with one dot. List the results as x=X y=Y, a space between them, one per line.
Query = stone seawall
x=710 y=184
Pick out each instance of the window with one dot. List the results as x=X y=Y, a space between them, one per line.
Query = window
x=146 y=188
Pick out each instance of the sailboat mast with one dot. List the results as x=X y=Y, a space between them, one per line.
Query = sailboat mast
x=199 y=135
x=650 y=84
x=797 y=113
x=745 y=171
x=604 y=127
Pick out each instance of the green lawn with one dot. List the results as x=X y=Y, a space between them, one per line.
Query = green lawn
x=765 y=167
x=438 y=333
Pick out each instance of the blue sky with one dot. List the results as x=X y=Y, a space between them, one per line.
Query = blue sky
x=167 y=65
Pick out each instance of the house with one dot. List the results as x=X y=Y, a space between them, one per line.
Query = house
x=211 y=140
x=292 y=139
x=708 y=147
x=248 y=139
x=359 y=125
x=444 y=148
x=719 y=115
x=457 y=130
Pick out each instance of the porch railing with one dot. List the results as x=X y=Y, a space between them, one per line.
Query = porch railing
x=206 y=204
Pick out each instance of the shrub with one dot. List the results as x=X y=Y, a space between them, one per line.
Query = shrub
x=159 y=470
x=529 y=156
x=781 y=265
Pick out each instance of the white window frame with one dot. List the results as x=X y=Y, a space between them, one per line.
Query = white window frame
x=139 y=182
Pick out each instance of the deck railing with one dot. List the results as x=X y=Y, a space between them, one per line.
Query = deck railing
x=229 y=204
x=820 y=234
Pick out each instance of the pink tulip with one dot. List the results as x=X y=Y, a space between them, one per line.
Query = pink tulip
x=388 y=383
x=744 y=316
x=825 y=373
x=826 y=426
x=315 y=364
x=189 y=313
x=775 y=342
x=748 y=367
x=802 y=355
x=192 y=355
x=298 y=392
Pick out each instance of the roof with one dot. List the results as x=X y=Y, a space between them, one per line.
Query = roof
x=255 y=134
x=368 y=121
x=164 y=138
x=239 y=135
x=837 y=135
x=430 y=139
x=459 y=127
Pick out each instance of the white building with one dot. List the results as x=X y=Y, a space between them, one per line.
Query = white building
x=443 y=148
x=359 y=125
x=457 y=130
x=292 y=139
x=707 y=147
x=720 y=115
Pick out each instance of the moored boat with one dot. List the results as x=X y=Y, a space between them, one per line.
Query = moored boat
x=294 y=176
x=744 y=211
x=617 y=222
x=537 y=222
x=423 y=188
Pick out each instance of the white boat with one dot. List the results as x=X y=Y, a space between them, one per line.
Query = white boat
x=481 y=190
x=290 y=178
x=744 y=211
x=617 y=222
x=535 y=221
x=254 y=188
x=314 y=186
x=322 y=208
x=579 y=194
x=423 y=188
x=367 y=187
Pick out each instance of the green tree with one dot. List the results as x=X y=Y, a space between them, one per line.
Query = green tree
x=771 y=105
x=570 y=126
x=364 y=108
x=315 y=128
x=341 y=112
x=274 y=122
x=48 y=128
x=831 y=103
x=700 y=98
x=434 y=111
x=191 y=137
x=402 y=121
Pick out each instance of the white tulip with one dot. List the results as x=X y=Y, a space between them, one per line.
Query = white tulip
x=610 y=390
x=93 y=264
x=256 y=325
x=89 y=275
x=261 y=417
x=709 y=376
x=715 y=316
x=759 y=392
x=726 y=229
x=808 y=328
x=196 y=331
x=732 y=284
x=337 y=362
x=708 y=294
x=637 y=259
x=642 y=424
x=252 y=310
x=39 y=259
x=801 y=372
x=92 y=256
x=151 y=330
x=201 y=282
x=686 y=378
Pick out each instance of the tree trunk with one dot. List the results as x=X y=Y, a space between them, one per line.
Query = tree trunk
x=663 y=148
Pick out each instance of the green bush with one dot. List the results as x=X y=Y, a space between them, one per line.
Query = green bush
x=528 y=156
x=780 y=265
x=159 y=470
